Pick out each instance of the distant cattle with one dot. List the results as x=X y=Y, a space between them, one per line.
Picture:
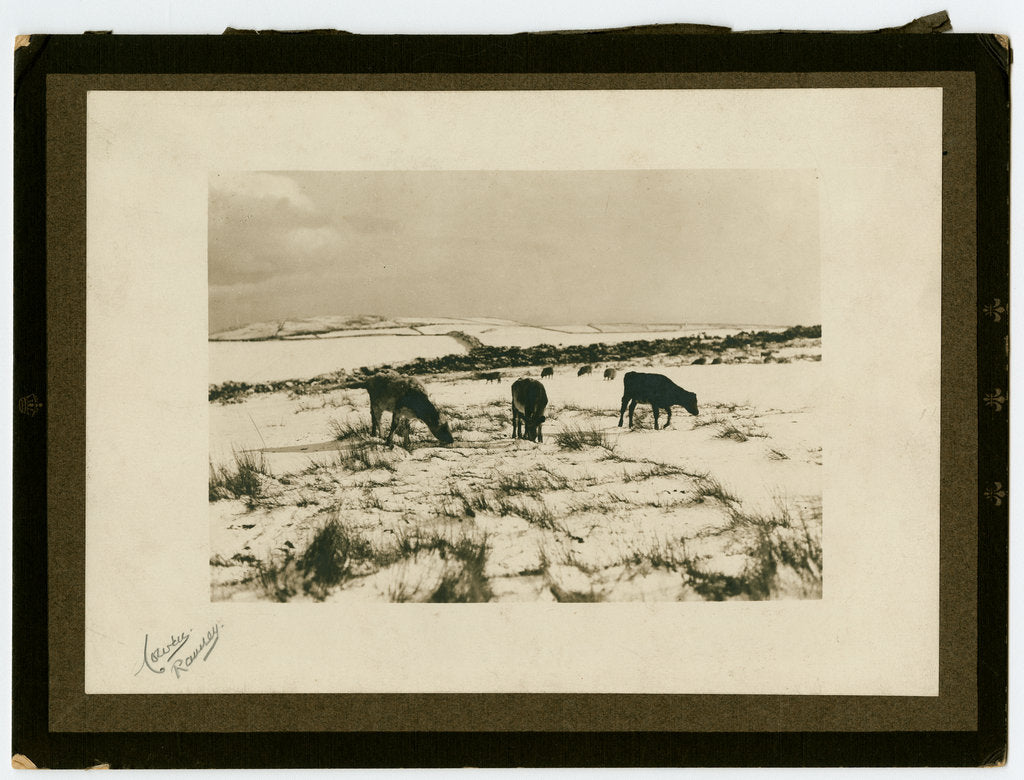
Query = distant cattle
x=699 y=361
x=490 y=376
x=658 y=391
x=717 y=361
x=406 y=399
x=609 y=373
x=548 y=371
x=584 y=370
x=766 y=357
x=529 y=400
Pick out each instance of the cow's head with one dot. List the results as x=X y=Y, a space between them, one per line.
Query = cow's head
x=690 y=403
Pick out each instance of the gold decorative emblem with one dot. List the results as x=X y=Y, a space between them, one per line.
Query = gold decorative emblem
x=29 y=404
x=995 y=310
x=995 y=399
x=996 y=493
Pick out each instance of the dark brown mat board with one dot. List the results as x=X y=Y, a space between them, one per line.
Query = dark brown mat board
x=57 y=724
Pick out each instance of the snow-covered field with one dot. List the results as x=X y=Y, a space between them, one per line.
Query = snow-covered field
x=302 y=358
x=723 y=505
x=308 y=348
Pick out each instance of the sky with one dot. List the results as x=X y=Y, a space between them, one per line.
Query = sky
x=541 y=247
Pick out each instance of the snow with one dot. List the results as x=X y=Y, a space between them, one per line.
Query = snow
x=264 y=361
x=596 y=522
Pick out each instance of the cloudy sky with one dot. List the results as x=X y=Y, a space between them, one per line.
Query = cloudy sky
x=541 y=247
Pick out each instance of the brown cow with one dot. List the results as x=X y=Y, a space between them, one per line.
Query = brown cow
x=406 y=399
x=529 y=400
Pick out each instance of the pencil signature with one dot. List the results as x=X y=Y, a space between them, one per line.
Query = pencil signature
x=160 y=658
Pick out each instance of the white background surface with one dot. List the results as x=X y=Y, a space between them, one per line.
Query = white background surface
x=874 y=632
x=211 y=16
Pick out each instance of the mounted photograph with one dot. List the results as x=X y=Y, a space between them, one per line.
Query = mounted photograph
x=515 y=385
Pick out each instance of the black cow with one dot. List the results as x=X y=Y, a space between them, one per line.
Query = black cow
x=529 y=400
x=548 y=371
x=490 y=376
x=609 y=373
x=584 y=370
x=658 y=391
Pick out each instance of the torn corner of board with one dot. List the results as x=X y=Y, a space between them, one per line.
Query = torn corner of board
x=18 y=761
x=932 y=23
x=21 y=41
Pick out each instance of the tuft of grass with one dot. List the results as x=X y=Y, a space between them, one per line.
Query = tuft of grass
x=343 y=430
x=657 y=555
x=535 y=512
x=530 y=483
x=709 y=419
x=709 y=487
x=467 y=582
x=462 y=581
x=575 y=437
x=651 y=471
x=774 y=454
x=363 y=455
x=784 y=558
x=333 y=556
x=243 y=480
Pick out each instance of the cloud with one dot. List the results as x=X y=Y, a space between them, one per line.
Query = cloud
x=274 y=188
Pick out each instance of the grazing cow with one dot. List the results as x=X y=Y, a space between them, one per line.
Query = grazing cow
x=406 y=399
x=490 y=376
x=766 y=357
x=529 y=400
x=699 y=361
x=717 y=361
x=609 y=373
x=584 y=370
x=548 y=371
x=658 y=391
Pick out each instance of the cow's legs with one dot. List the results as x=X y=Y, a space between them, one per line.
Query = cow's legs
x=668 y=418
x=375 y=413
x=515 y=422
x=394 y=426
x=540 y=436
x=654 y=407
x=632 y=406
x=622 y=411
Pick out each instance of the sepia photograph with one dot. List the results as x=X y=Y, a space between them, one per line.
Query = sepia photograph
x=476 y=386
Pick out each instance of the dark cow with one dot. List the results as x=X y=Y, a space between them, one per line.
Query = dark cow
x=658 y=391
x=584 y=370
x=406 y=399
x=548 y=371
x=717 y=361
x=699 y=361
x=490 y=376
x=609 y=373
x=766 y=357
x=529 y=400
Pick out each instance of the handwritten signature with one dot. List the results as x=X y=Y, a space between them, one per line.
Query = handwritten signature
x=161 y=658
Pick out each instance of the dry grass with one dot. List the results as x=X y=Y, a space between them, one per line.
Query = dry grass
x=783 y=552
x=575 y=437
x=245 y=479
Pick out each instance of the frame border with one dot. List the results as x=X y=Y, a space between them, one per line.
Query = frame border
x=56 y=734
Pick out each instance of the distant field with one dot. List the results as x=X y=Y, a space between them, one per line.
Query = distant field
x=267 y=352
x=267 y=361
